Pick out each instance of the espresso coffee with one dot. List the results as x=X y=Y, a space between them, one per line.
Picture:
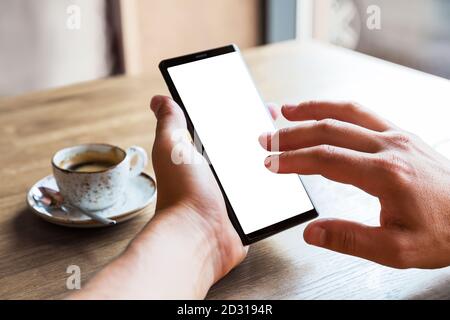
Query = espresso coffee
x=94 y=176
x=92 y=161
x=96 y=166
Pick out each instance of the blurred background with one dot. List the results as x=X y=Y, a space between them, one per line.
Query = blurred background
x=52 y=43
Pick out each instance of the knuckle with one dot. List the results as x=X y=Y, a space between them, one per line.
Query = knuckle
x=314 y=103
x=325 y=152
x=396 y=167
x=353 y=106
x=402 y=253
x=348 y=242
x=313 y=108
x=399 y=139
x=327 y=125
x=384 y=163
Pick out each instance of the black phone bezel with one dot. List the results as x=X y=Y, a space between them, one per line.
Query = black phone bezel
x=261 y=233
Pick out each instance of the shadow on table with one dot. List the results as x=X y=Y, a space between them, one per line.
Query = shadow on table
x=35 y=231
x=35 y=242
x=436 y=291
x=263 y=274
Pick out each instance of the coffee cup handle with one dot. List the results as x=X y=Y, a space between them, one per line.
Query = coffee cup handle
x=138 y=160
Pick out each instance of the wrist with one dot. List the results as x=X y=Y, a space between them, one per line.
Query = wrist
x=180 y=245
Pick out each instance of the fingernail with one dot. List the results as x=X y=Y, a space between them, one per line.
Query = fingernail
x=264 y=140
x=316 y=236
x=289 y=107
x=268 y=162
x=156 y=103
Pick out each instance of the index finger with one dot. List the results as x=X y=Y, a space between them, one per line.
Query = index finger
x=339 y=164
x=343 y=111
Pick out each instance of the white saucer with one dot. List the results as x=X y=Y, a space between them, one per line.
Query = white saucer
x=139 y=194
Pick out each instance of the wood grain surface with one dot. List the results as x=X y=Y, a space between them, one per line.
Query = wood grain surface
x=34 y=254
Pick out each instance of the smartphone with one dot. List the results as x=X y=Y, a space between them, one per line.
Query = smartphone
x=225 y=112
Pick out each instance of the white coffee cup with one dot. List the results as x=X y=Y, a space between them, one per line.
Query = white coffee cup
x=95 y=176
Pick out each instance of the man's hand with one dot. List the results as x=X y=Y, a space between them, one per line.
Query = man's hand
x=187 y=188
x=190 y=243
x=349 y=144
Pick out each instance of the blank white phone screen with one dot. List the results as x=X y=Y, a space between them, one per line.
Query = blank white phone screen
x=228 y=116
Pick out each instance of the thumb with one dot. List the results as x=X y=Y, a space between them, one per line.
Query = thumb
x=171 y=134
x=169 y=116
x=371 y=243
x=173 y=144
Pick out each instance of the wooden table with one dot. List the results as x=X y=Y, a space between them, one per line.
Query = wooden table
x=34 y=254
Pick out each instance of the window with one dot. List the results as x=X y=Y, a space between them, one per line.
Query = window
x=415 y=33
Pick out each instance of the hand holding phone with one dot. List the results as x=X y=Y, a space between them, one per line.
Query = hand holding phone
x=225 y=112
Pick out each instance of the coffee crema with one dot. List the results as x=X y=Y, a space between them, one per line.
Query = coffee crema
x=92 y=161
x=93 y=166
